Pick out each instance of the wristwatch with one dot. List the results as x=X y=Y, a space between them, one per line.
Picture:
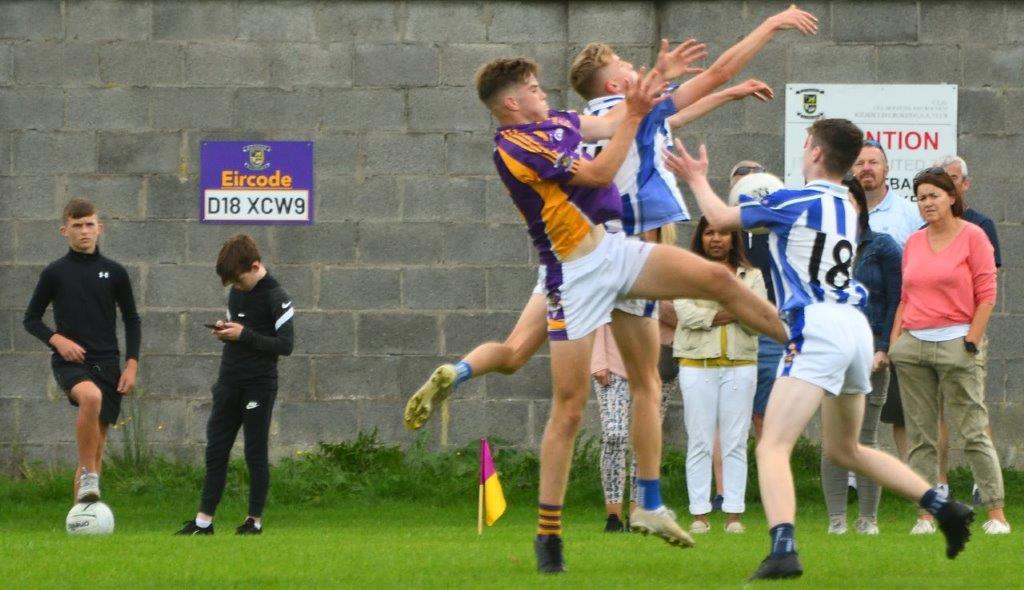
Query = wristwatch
x=970 y=347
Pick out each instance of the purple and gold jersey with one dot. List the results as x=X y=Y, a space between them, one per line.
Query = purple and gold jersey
x=536 y=161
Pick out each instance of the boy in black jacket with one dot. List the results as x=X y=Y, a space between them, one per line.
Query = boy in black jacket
x=257 y=331
x=84 y=287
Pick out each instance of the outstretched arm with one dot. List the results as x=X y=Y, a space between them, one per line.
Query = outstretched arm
x=670 y=64
x=730 y=63
x=695 y=173
x=752 y=87
x=640 y=99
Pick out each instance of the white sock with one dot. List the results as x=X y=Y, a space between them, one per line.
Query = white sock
x=203 y=523
x=258 y=524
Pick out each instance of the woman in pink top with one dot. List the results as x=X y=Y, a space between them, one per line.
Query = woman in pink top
x=938 y=341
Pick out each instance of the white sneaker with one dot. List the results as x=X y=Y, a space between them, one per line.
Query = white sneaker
x=735 y=527
x=660 y=522
x=923 y=527
x=699 y=527
x=996 y=527
x=867 y=526
x=89 y=487
x=837 y=525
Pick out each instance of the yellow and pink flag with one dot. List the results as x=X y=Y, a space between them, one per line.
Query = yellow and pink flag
x=492 y=499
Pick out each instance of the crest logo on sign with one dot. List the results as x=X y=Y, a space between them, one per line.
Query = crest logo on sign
x=257 y=156
x=809 y=107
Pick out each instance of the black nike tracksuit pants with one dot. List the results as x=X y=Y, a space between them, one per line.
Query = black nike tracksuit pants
x=239 y=405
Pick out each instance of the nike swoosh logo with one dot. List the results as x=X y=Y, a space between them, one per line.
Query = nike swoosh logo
x=251 y=405
x=285 y=304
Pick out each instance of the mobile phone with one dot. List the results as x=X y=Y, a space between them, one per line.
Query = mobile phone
x=211 y=326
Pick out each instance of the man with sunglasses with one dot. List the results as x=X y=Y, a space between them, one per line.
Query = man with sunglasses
x=887 y=211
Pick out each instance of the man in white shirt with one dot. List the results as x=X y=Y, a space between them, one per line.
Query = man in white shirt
x=888 y=212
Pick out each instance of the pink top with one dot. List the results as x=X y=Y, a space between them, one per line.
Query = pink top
x=606 y=353
x=945 y=289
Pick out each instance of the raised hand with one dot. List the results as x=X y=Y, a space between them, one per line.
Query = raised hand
x=794 y=18
x=683 y=165
x=752 y=87
x=647 y=91
x=676 y=62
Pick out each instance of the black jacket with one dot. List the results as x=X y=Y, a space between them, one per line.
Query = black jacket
x=266 y=314
x=84 y=289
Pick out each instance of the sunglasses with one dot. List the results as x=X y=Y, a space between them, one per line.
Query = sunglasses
x=873 y=143
x=932 y=170
x=745 y=170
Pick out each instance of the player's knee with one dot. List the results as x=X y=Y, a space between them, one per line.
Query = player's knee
x=515 y=362
x=88 y=396
x=719 y=282
x=566 y=419
x=842 y=456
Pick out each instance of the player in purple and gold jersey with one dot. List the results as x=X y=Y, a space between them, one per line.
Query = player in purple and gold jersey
x=529 y=332
x=565 y=198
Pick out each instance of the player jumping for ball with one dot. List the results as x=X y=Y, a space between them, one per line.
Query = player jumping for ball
x=812 y=241
x=565 y=199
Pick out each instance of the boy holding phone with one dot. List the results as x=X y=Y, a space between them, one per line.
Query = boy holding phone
x=258 y=330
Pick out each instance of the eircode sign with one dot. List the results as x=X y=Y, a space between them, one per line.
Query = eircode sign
x=256 y=182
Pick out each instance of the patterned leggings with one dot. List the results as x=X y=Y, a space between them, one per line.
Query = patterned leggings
x=614 y=402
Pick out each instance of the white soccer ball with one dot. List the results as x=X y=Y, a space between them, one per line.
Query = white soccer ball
x=90 y=518
x=758 y=186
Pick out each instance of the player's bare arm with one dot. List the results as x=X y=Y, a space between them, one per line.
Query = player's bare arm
x=732 y=62
x=702 y=107
x=695 y=173
x=670 y=64
x=640 y=99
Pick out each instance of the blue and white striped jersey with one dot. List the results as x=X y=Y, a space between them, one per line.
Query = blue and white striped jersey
x=650 y=196
x=814 y=237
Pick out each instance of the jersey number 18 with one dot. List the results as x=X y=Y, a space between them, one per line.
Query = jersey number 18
x=838 y=275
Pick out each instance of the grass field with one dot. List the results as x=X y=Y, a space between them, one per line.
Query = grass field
x=405 y=545
x=365 y=514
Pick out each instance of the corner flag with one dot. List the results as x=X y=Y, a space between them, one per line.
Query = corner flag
x=492 y=500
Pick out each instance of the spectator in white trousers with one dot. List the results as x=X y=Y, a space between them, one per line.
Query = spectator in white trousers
x=717 y=375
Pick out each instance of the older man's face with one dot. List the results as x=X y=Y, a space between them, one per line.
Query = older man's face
x=870 y=168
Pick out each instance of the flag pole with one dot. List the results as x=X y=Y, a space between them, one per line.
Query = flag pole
x=480 y=502
x=480 y=512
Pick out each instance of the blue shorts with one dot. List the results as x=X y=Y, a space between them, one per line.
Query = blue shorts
x=769 y=354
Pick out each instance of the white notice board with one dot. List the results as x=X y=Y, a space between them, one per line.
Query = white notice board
x=915 y=123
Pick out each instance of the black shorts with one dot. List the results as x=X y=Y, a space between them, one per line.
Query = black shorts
x=104 y=375
x=892 y=411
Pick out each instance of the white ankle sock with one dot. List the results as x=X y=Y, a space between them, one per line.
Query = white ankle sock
x=203 y=523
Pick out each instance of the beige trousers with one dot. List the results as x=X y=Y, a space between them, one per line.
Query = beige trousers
x=935 y=373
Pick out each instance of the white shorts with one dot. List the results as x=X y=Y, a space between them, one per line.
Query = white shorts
x=581 y=293
x=643 y=308
x=834 y=348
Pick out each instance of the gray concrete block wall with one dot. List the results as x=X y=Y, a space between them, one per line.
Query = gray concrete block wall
x=417 y=253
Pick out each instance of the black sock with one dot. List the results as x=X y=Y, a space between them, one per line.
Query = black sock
x=783 y=541
x=933 y=501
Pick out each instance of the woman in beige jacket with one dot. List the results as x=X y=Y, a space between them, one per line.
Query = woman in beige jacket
x=717 y=375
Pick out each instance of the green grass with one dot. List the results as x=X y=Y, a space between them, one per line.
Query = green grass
x=364 y=514
x=401 y=544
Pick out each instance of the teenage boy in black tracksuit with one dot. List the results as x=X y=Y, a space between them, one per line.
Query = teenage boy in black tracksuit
x=84 y=288
x=257 y=331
